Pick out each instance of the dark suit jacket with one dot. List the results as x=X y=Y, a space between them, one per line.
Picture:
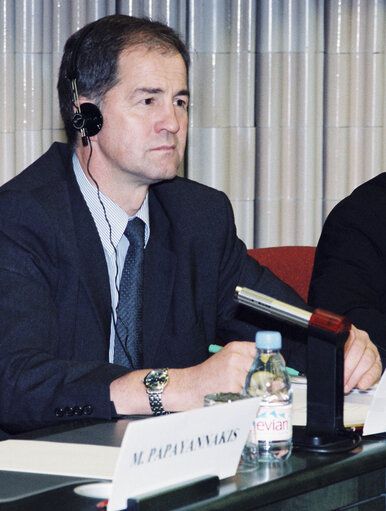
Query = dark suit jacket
x=349 y=275
x=55 y=297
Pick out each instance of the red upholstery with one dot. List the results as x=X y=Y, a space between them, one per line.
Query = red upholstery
x=292 y=264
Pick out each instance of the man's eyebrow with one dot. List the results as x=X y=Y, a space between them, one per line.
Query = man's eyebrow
x=183 y=92
x=149 y=90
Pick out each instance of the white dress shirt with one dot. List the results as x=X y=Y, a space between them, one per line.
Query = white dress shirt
x=111 y=232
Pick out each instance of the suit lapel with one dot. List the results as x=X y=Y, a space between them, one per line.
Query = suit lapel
x=80 y=240
x=92 y=262
x=160 y=266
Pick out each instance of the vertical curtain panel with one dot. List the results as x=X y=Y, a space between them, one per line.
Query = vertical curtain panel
x=288 y=106
x=289 y=118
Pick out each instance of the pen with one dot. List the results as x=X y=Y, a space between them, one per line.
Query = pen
x=214 y=348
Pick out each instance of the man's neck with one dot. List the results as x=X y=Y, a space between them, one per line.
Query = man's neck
x=128 y=195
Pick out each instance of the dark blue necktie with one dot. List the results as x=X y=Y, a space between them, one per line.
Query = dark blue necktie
x=128 y=338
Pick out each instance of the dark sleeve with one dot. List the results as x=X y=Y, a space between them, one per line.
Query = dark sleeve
x=238 y=322
x=50 y=370
x=349 y=275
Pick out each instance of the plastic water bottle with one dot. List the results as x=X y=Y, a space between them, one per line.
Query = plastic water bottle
x=270 y=438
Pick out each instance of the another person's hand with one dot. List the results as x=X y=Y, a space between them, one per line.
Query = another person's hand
x=362 y=363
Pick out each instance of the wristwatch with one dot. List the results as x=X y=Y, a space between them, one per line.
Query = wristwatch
x=155 y=382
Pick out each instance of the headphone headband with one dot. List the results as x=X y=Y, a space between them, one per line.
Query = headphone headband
x=72 y=71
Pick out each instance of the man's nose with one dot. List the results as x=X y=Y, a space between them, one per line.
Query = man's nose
x=168 y=119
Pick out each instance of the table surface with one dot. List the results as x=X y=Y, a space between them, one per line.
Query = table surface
x=303 y=472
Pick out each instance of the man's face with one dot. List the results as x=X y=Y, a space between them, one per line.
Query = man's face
x=145 y=117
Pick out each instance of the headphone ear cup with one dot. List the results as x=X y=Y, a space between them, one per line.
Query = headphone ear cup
x=89 y=118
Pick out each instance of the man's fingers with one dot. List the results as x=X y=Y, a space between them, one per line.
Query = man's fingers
x=366 y=372
x=238 y=353
x=362 y=361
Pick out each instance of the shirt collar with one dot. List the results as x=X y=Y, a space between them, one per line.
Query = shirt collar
x=110 y=231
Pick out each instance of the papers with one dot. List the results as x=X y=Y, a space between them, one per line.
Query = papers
x=80 y=460
x=376 y=414
x=356 y=404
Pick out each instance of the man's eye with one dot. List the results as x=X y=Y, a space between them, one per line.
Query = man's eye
x=147 y=101
x=182 y=103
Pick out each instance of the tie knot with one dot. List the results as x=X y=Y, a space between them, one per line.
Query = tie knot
x=134 y=231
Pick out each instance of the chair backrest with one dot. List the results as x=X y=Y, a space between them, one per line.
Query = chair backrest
x=292 y=264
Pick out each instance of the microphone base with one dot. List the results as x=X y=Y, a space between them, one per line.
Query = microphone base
x=342 y=440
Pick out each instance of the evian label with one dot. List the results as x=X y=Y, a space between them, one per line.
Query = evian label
x=273 y=423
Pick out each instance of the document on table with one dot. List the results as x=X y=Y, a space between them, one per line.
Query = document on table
x=356 y=404
x=376 y=415
x=79 y=460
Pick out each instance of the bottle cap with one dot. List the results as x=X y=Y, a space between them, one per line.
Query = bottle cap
x=267 y=340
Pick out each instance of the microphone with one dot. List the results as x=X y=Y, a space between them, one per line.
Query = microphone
x=319 y=318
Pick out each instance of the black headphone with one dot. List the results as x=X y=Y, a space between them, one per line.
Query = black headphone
x=88 y=118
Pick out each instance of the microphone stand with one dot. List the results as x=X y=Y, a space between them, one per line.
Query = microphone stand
x=327 y=333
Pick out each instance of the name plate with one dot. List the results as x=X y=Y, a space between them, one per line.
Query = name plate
x=165 y=451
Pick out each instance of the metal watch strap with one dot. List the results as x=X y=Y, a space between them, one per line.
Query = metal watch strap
x=156 y=403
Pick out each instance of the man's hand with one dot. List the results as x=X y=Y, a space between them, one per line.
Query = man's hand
x=225 y=371
x=362 y=363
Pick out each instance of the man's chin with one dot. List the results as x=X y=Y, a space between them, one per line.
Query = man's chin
x=164 y=175
x=168 y=173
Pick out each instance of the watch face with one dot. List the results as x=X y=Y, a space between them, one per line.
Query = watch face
x=156 y=380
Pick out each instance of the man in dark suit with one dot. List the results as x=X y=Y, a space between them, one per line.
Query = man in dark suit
x=349 y=274
x=63 y=250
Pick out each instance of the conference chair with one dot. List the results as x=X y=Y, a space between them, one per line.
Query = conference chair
x=292 y=264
